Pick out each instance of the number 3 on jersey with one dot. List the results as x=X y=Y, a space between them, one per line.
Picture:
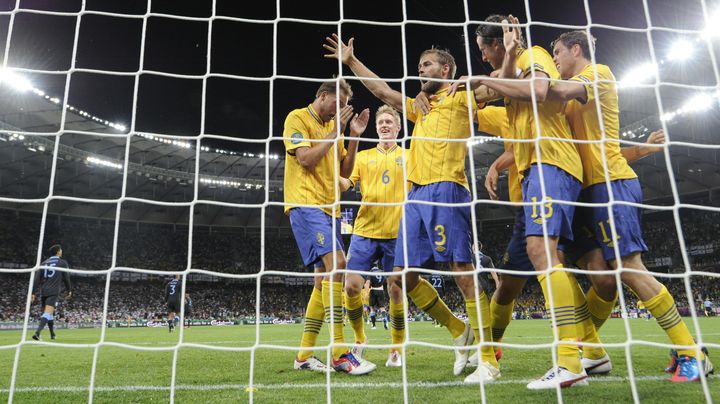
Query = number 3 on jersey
x=440 y=244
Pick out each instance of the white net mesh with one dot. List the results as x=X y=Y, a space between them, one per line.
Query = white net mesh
x=417 y=26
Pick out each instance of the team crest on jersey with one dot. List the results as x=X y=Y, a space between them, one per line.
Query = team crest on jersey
x=398 y=162
x=296 y=138
x=320 y=238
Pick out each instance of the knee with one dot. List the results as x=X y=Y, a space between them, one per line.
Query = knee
x=536 y=250
x=503 y=296
x=352 y=289
x=605 y=286
x=341 y=262
x=395 y=289
x=466 y=284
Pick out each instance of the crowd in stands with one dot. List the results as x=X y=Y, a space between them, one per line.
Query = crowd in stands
x=88 y=245
x=144 y=300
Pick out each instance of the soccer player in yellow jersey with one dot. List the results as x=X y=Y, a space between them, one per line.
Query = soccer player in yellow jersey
x=311 y=169
x=379 y=171
x=589 y=88
x=436 y=169
x=550 y=175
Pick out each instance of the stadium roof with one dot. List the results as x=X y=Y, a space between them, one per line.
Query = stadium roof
x=168 y=110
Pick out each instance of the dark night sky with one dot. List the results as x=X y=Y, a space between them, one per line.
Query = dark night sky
x=240 y=108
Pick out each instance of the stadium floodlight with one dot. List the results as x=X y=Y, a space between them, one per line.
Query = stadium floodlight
x=680 y=51
x=14 y=80
x=639 y=74
x=668 y=116
x=712 y=29
x=105 y=163
x=699 y=103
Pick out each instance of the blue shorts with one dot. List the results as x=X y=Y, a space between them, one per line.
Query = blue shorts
x=559 y=186
x=516 y=257
x=365 y=251
x=593 y=223
x=314 y=234
x=435 y=233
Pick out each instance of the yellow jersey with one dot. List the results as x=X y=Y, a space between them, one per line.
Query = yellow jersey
x=380 y=173
x=493 y=120
x=431 y=161
x=551 y=118
x=310 y=187
x=585 y=125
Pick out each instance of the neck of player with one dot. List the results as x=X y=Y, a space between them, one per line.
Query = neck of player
x=386 y=145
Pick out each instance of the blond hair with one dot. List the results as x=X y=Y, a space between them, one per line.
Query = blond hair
x=386 y=109
x=331 y=87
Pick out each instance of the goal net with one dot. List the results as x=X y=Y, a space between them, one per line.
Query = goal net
x=149 y=140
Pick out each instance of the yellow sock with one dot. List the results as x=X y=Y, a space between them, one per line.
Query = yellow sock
x=427 y=299
x=487 y=352
x=564 y=305
x=500 y=316
x=600 y=309
x=336 y=331
x=664 y=310
x=585 y=327
x=397 y=322
x=354 y=307
x=314 y=318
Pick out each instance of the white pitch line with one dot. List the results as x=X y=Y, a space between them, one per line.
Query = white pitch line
x=305 y=386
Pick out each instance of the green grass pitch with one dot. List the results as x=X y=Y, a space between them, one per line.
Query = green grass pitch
x=54 y=374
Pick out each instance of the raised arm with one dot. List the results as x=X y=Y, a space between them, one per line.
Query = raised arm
x=634 y=153
x=379 y=88
x=357 y=126
x=512 y=39
x=520 y=90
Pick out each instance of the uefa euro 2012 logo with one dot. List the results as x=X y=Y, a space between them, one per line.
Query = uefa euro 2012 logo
x=320 y=238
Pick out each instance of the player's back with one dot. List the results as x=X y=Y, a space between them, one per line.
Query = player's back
x=437 y=281
x=377 y=281
x=172 y=290
x=50 y=278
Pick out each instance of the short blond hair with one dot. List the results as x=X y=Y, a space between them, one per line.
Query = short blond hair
x=386 y=109
x=331 y=87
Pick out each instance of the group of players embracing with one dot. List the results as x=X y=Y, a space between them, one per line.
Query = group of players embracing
x=561 y=188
